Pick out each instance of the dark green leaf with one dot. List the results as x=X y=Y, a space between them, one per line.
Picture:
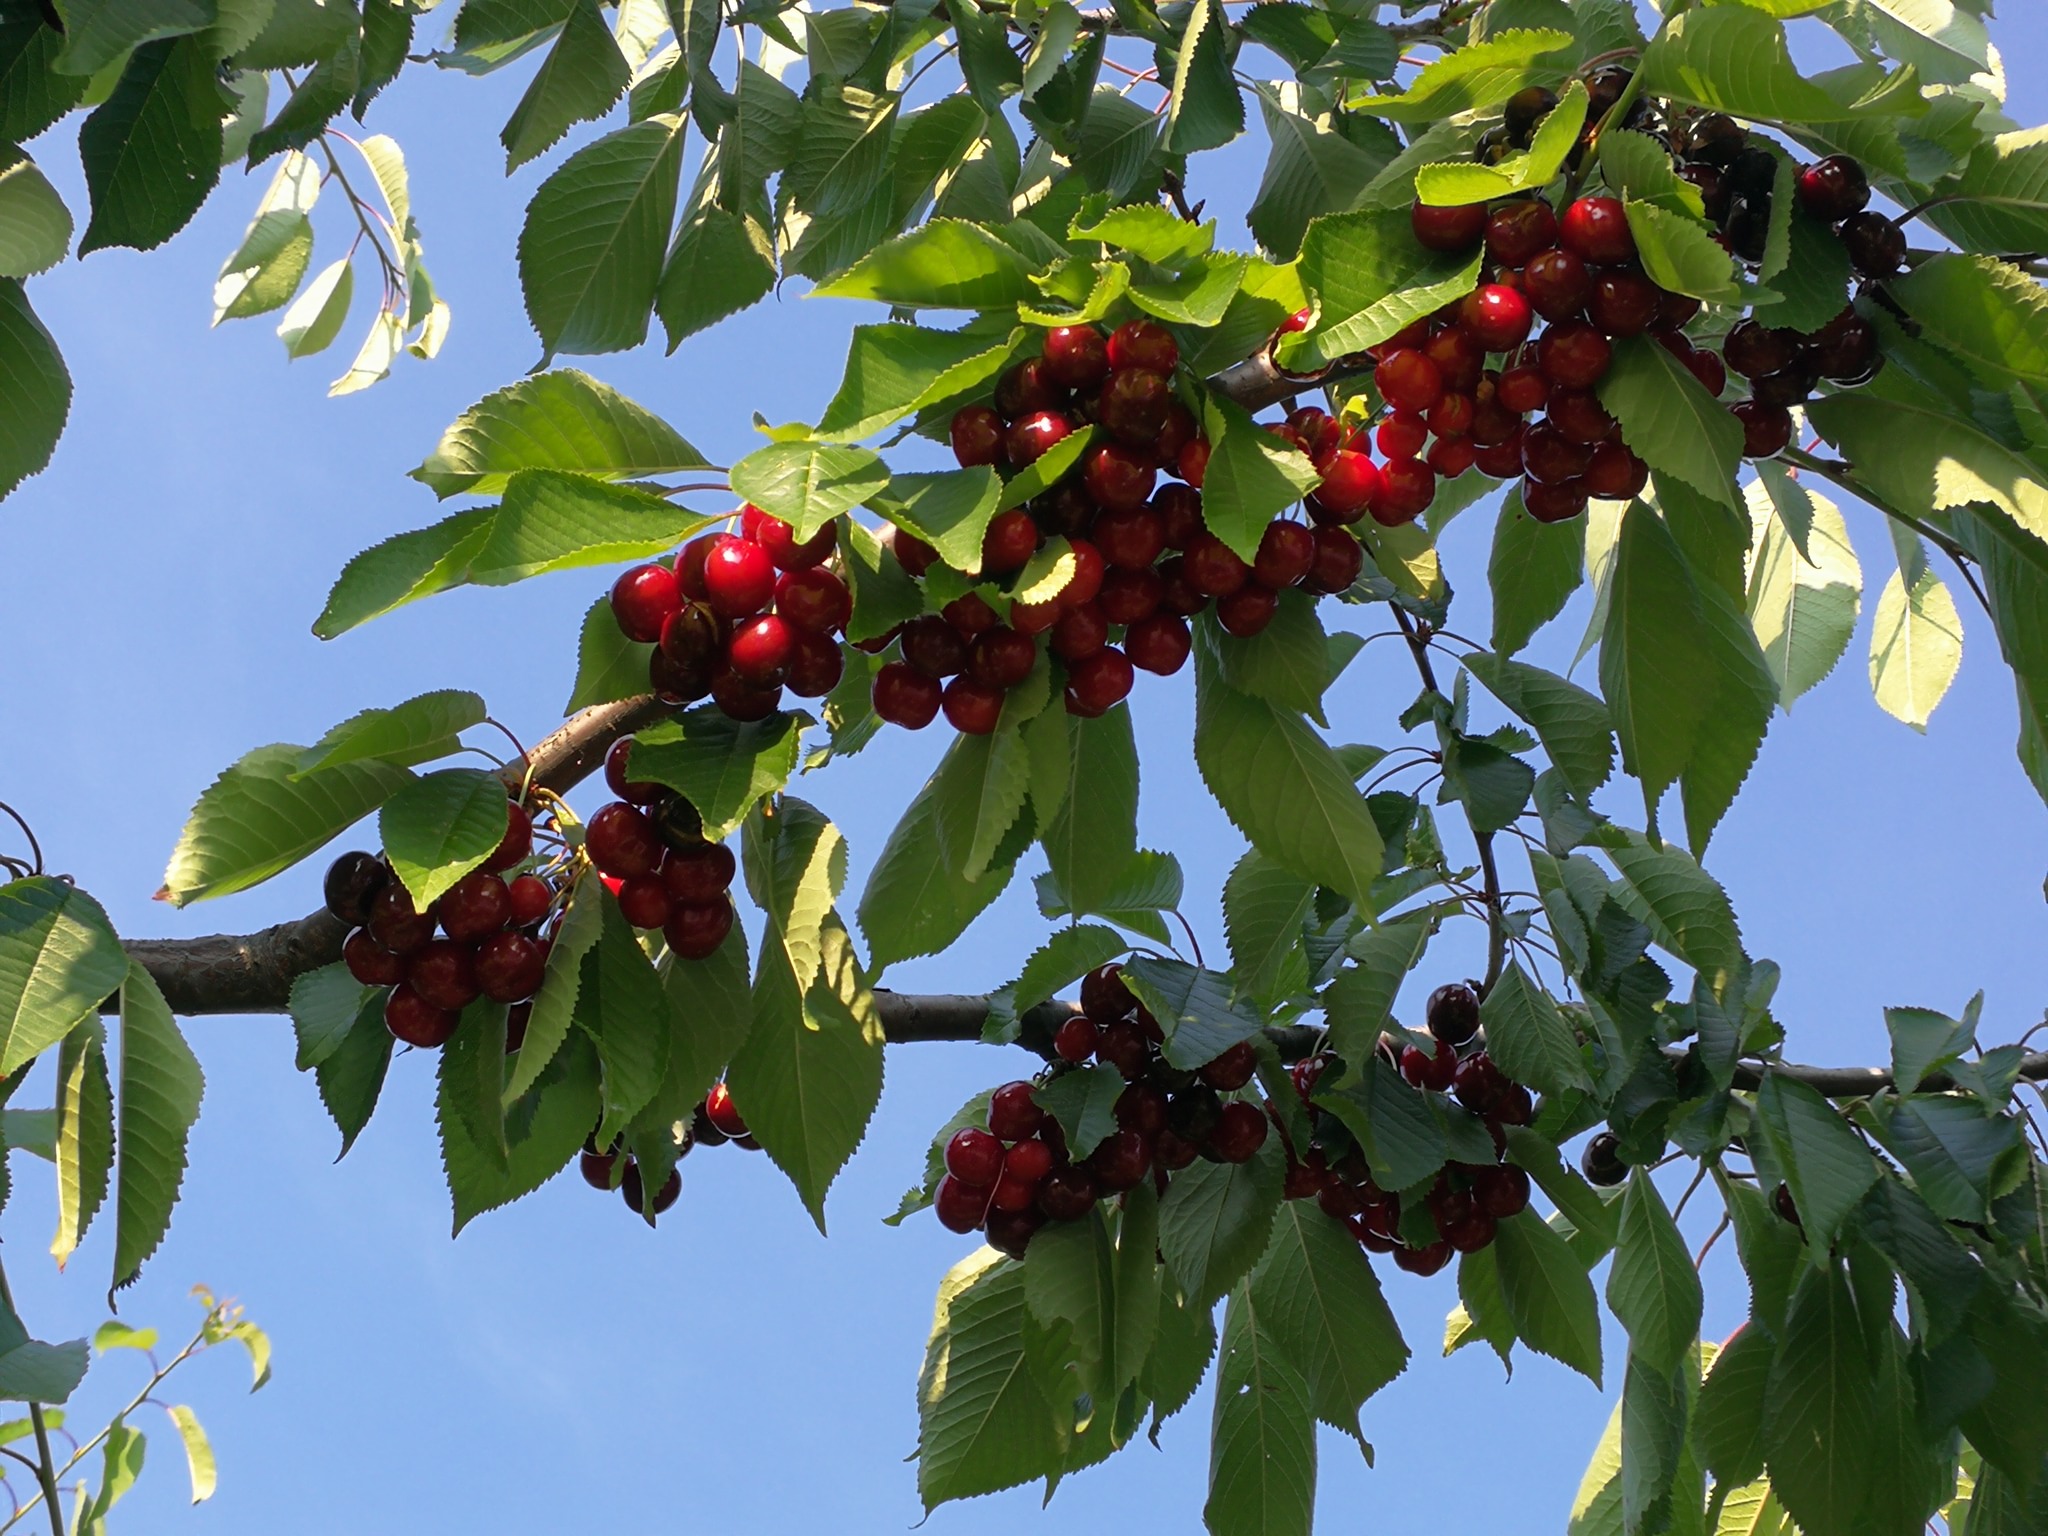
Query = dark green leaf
x=1215 y=1219
x=352 y=1074
x=1729 y=1424
x=1816 y=1153
x=724 y=767
x=1533 y=571
x=1820 y=1408
x=1548 y=1295
x=161 y=1085
x=152 y=151
x=324 y=1006
x=1530 y=1039
x=1084 y=1103
x=1262 y=1459
x=1652 y=1286
x=1402 y=1141
x=35 y=390
x=582 y=76
x=983 y=1423
x=419 y=730
x=1322 y=1304
x=1200 y=1013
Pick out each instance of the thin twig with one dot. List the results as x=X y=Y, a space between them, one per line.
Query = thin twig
x=1713 y=1237
x=1843 y=476
x=35 y=848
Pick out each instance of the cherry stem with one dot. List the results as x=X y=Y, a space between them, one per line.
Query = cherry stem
x=506 y=731
x=1193 y=943
x=1707 y=1247
x=35 y=848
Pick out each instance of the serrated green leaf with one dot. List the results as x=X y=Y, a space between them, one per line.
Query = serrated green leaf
x=1402 y=1141
x=807 y=484
x=1264 y=906
x=1803 y=602
x=580 y=79
x=1729 y=1421
x=1262 y=1459
x=1652 y=1286
x=724 y=767
x=1656 y=645
x=1359 y=1002
x=950 y=510
x=84 y=1140
x=1669 y=420
x=351 y=1076
x=546 y=1127
x=160 y=1089
x=35 y=226
x=152 y=151
x=1821 y=1413
x=1983 y=310
x=1367 y=277
x=1089 y=834
x=629 y=1023
x=1533 y=570
x=1916 y=646
x=1732 y=58
x=1310 y=169
x=983 y=1423
x=59 y=960
x=262 y=816
x=1680 y=255
x=439 y=827
x=1954 y=1149
x=1215 y=1219
x=421 y=729
x=35 y=389
x=1201 y=1015
x=1321 y=1301
x=1548 y=1295
x=1527 y=1035
x=1688 y=912
x=718 y=266
x=1287 y=663
x=1826 y=1167
x=1571 y=723
x=559 y=420
x=1524 y=171
x=324 y=1004
x=1203 y=108
x=1998 y=201
x=35 y=1372
x=916 y=901
x=1084 y=1104
x=944 y=264
x=1061 y=960
x=403 y=569
x=1477 y=75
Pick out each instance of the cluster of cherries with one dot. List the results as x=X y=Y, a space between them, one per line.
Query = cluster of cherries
x=649 y=847
x=714 y=1122
x=1014 y=1175
x=738 y=617
x=482 y=938
x=1145 y=562
x=1467 y=1201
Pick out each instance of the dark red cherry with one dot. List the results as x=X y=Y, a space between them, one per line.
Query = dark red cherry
x=1076 y=356
x=1497 y=316
x=414 y=1021
x=1013 y=1115
x=1079 y=632
x=903 y=695
x=1457 y=228
x=695 y=931
x=1557 y=284
x=1104 y=995
x=1519 y=230
x=1026 y=387
x=1339 y=559
x=622 y=841
x=779 y=539
x=975 y=1157
x=1580 y=416
x=644 y=901
x=1248 y=610
x=370 y=962
x=1098 y=683
x=1876 y=246
x=814 y=600
x=1143 y=344
x=1554 y=503
x=1159 y=643
x=1574 y=353
x=1134 y=405
x=759 y=650
x=1213 y=567
x=443 y=973
x=1408 y=381
x=1130 y=537
x=1074 y=1041
x=510 y=967
x=1623 y=303
x=977 y=434
x=972 y=708
x=395 y=923
x=1121 y=1161
x=1407 y=486
x=1766 y=429
x=1833 y=188
x=1011 y=540
x=1427 y=1069
x=1067 y=1194
x=1233 y=1069
x=1452 y=1013
x=1118 y=476
x=531 y=900
x=475 y=907
x=1460 y=359
x=1754 y=350
x=1286 y=551
x=1240 y=1131
x=961 y=1207
x=352 y=883
x=1030 y=436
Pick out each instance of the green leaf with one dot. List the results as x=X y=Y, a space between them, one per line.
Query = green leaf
x=950 y=510
x=556 y=1004
x=34 y=1372
x=582 y=76
x=710 y=1010
x=33 y=94
x=161 y=1086
x=890 y=372
x=419 y=730
x=35 y=389
x=1681 y=255
x=1821 y=1413
x=1527 y=1035
x=199 y=1462
x=1652 y=1286
x=1730 y=58
x=351 y=1075
x=1203 y=108
x=2001 y=192
x=1282 y=786
x=1402 y=1141
x=609 y=667
x=1669 y=420
x=1094 y=831
x=590 y=252
x=58 y=960
x=1322 y=1304
x=916 y=901
x=1359 y=1001
x=1070 y=1301
x=982 y=1424
x=1638 y=168
x=1816 y=1154
x=1264 y=907
x=403 y=569
x=560 y=420
x=1046 y=470
x=84 y=1140
x=629 y=1023
x=152 y=152
x=316 y=317
x=1571 y=723
x=545 y=1127
x=724 y=767
x=324 y=1004
x=1688 y=912
x=1310 y=170
x=1803 y=601
x=1954 y=1150
x=1656 y=647
x=1461 y=182
x=718 y=266
x=267 y=267
x=1287 y=663
x=98 y=33
x=1548 y=1295
x=1215 y=1219
x=438 y=828
x=1201 y=1015
x=983 y=795
x=1180 y=1358
x=262 y=816
x=1367 y=277
x=1729 y=1422
x=1533 y=571
x=1983 y=310
x=1262 y=1458
x=1477 y=75
x=1061 y=960
x=1084 y=1104
x=35 y=226
x=806 y=483
x=944 y=264
x=551 y=520
x=1916 y=643
x=2014 y=569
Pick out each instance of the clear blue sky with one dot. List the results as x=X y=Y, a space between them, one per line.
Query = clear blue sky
x=560 y=1368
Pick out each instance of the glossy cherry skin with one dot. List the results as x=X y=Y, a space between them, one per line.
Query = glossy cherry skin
x=1143 y=344
x=1557 y=284
x=1551 y=457
x=743 y=700
x=1573 y=353
x=1407 y=486
x=977 y=436
x=1248 y=610
x=1766 y=429
x=1079 y=632
x=779 y=539
x=1013 y=1115
x=1401 y=435
x=1350 y=482
x=1067 y=1194
x=971 y=708
x=1432 y=1070
x=1460 y=359
x=1877 y=246
x=510 y=967
x=1074 y=1041
x=1451 y=416
x=1408 y=380
x=723 y=1114
x=1121 y=1161
x=644 y=901
x=1580 y=416
x=1845 y=349
x=1754 y=350
x=1076 y=356
x=1479 y=1084
x=414 y=1021
x=1595 y=229
x=1133 y=406
x=1285 y=553
x=1130 y=537
x=975 y=1157
x=1001 y=658
x=1457 y=228
x=814 y=600
x=396 y=924
x=1011 y=540
x=933 y=646
x=1121 y=1044
x=905 y=696
x=1339 y=559
x=690 y=565
x=1118 y=476
x=475 y=907
x=1500 y=1191
x=1233 y=1069
x=1192 y=463
x=1519 y=230
x=1026 y=387
x=695 y=931
x=1424 y=1261
x=1452 y=1013
x=699 y=875
x=1240 y=1131
x=443 y=973
x=1098 y=683
x=739 y=577
x=1159 y=643
x=1615 y=474
x=961 y=1207
x=693 y=637
x=1497 y=316
x=1833 y=188
x=370 y=962
x=1623 y=303
x=759 y=650
x=351 y=884
x=622 y=841
x=642 y=598
x=1104 y=994
x=1554 y=503
x=1214 y=568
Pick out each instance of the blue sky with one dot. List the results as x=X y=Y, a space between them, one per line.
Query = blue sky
x=559 y=1367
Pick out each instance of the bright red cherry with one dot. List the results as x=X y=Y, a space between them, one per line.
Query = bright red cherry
x=642 y=598
x=1573 y=353
x=759 y=650
x=813 y=600
x=1459 y=358
x=1076 y=356
x=1350 y=481
x=1030 y=436
x=510 y=967
x=1408 y=381
x=1407 y=486
x=961 y=1207
x=779 y=539
x=1448 y=229
x=694 y=932
x=1595 y=229
x=1450 y=457
x=975 y=1157
x=1013 y=1115
x=370 y=962
x=475 y=907
x=1402 y=435
x=1027 y=1162
x=1098 y=683
x=723 y=1114
x=1118 y=476
x=1143 y=344
x=1011 y=540
x=690 y=565
x=1497 y=316
x=1451 y=416
x=1214 y=568
x=739 y=577
x=622 y=841
x=1160 y=644
x=911 y=552
x=1248 y=610
x=1557 y=284
x=1519 y=230
x=1339 y=559
x=971 y=708
x=1089 y=571
x=414 y=1021
x=1074 y=1041
x=905 y=696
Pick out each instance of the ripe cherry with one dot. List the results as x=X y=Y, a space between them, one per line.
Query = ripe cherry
x=1180 y=514
x=779 y=539
x=1026 y=387
x=1067 y=1194
x=1177 y=594
x=977 y=434
x=1503 y=460
x=531 y=900
x=1122 y=1159
x=906 y=696
x=1557 y=284
x=690 y=565
x=1426 y=1069
x=1030 y=436
x=696 y=931
x=1573 y=353
x=1079 y=632
x=351 y=884
x=759 y=650
x=933 y=646
x=1766 y=429
x=1192 y=463
x=1104 y=994
x=975 y=1157
x=972 y=708
x=1424 y=1261
x=1876 y=246
x=1450 y=457
x=621 y=841
x=1121 y=1044
x=1558 y=503
x=1704 y=365
x=1076 y=356
x=1232 y=1069
x=642 y=598
x=699 y=875
x=1615 y=474
x=1500 y=1191
x=816 y=665
x=596 y=1168
x=1159 y=643
x=1001 y=658
x=1350 y=481
x=1130 y=537
x=1011 y=540
x=443 y=973
x=739 y=578
x=1240 y=1131
x=1133 y=406
x=634 y=1192
x=644 y=901
x=1339 y=559
x=1129 y=595
x=1143 y=344
x=1213 y=567
x=475 y=907
x=1457 y=228
x=1452 y=1013
x=1601 y=1161
x=1580 y=416
x=1623 y=303
x=1519 y=230
x=1478 y=1083
x=814 y=600
x=395 y=923
x=510 y=967
x=1027 y=1162
x=1833 y=188
x=1098 y=683
x=911 y=552
x=1496 y=316
x=693 y=637
x=414 y=1021
x=370 y=962
x=1459 y=358
x=1845 y=349
x=1595 y=229
x=1408 y=381
x=1013 y=1115
x=1754 y=350
x=1074 y=1041
x=1402 y=435
x=1407 y=486
x=1248 y=610
x=961 y=1207
x=1286 y=551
